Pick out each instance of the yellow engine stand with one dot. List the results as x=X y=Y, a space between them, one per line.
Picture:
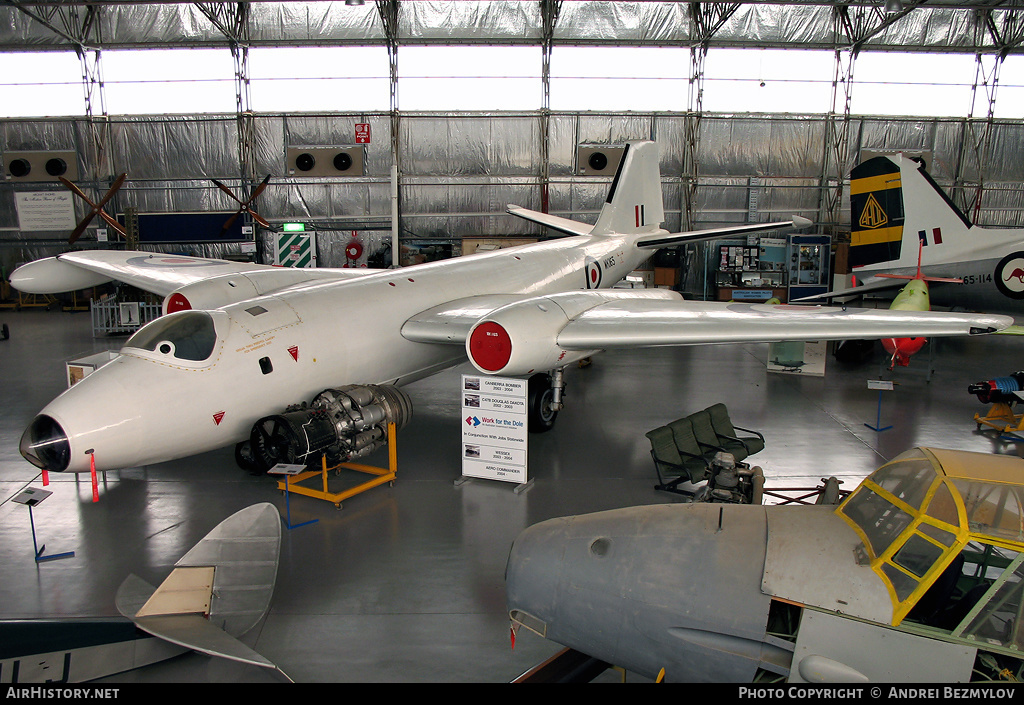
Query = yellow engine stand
x=36 y=300
x=1001 y=418
x=380 y=476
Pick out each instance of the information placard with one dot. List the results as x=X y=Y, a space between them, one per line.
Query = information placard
x=45 y=210
x=494 y=428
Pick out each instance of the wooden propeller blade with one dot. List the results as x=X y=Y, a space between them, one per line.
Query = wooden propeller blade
x=244 y=205
x=259 y=219
x=96 y=208
x=77 y=191
x=227 y=223
x=112 y=222
x=77 y=232
x=259 y=189
x=113 y=189
x=225 y=189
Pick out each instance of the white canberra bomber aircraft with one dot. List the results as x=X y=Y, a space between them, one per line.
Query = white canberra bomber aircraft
x=242 y=345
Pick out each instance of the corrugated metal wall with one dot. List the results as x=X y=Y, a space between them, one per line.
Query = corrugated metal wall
x=458 y=171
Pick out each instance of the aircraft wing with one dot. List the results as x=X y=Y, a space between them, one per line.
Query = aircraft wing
x=157 y=273
x=626 y=323
x=663 y=239
x=540 y=328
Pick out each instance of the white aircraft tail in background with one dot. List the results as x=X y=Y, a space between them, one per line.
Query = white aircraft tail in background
x=897 y=210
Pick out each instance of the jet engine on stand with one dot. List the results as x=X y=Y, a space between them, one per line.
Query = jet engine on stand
x=343 y=423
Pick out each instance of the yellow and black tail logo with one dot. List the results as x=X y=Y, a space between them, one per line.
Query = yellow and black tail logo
x=873 y=215
x=876 y=209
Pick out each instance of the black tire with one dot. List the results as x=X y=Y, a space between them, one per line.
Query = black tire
x=541 y=417
x=245 y=459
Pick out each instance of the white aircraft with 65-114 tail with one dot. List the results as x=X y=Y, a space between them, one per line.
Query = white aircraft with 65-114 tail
x=243 y=348
x=903 y=223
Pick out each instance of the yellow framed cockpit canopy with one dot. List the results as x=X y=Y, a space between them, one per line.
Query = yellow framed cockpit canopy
x=917 y=513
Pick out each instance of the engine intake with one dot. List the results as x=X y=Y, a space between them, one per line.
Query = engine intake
x=343 y=423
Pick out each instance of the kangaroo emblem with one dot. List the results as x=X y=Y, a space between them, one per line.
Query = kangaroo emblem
x=1017 y=274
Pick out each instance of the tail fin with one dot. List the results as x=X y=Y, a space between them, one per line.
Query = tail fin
x=897 y=209
x=634 y=205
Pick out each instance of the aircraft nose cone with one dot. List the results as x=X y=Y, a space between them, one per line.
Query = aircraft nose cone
x=534 y=569
x=45 y=445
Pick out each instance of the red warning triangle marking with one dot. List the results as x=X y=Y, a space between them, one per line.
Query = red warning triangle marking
x=294 y=352
x=217 y=417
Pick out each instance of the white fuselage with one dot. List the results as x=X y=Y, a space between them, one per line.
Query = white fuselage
x=147 y=406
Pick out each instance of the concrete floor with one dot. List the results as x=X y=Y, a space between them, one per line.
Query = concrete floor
x=405 y=582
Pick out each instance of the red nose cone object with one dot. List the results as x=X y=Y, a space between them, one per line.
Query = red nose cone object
x=490 y=346
x=901 y=349
x=178 y=302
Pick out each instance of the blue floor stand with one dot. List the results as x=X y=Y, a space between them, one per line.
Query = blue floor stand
x=878 y=418
x=288 y=509
x=37 y=549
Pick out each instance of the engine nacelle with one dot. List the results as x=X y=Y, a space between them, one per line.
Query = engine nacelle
x=239 y=286
x=522 y=338
x=210 y=293
x=343 y=423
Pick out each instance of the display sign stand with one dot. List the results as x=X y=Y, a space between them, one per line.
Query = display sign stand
x=881 y=385
x=518 y=489
x=494 y=430
x=289 y=470
x=31 y=497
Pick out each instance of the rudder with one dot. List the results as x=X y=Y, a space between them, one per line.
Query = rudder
x=634 y=203
x=876 y=212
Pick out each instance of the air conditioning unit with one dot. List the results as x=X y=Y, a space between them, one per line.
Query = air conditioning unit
x=598 y=159
x=40 y=166
x=326 y=161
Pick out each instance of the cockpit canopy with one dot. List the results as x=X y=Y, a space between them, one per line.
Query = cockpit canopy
x=946 y=521
x=186 y=335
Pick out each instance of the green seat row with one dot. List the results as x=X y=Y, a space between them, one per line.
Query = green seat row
x=685 y=448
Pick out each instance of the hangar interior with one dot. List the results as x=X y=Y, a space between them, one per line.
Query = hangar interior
x=405 y=582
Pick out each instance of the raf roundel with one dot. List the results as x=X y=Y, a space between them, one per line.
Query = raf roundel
x=593 y=273
x=490 y=346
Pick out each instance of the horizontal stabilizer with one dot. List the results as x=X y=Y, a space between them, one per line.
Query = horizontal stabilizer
x=669 y=239
x=218 y=590
x=563 y=225
x=869 y=287
x=195 y=632
x=943 y=280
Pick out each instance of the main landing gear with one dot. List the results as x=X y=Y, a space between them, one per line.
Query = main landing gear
x=544 y=399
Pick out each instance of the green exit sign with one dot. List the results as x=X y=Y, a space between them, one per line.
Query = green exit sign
x=295 y=227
